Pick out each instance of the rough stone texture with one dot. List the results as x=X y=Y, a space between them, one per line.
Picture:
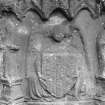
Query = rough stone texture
x=77 y=5
x=53 y=61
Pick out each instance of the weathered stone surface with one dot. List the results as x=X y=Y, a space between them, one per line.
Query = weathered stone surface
x=49 y=6
x=51 y=61
x=77 y=5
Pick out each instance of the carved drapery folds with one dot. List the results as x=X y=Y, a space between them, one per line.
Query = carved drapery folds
x=56 y=72
x=51 y=51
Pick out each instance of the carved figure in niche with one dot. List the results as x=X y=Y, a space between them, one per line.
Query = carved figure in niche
x=51 y=48
x=52 y=57
x=55 y=53
x=90 y=51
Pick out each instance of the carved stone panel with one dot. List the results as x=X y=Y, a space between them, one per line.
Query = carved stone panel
x=52 y=52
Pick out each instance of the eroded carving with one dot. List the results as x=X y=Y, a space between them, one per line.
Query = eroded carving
x=50 y=60
x=46 y=8
x=78 y=5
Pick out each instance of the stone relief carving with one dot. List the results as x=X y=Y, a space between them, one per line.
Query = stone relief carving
x=52 y=52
